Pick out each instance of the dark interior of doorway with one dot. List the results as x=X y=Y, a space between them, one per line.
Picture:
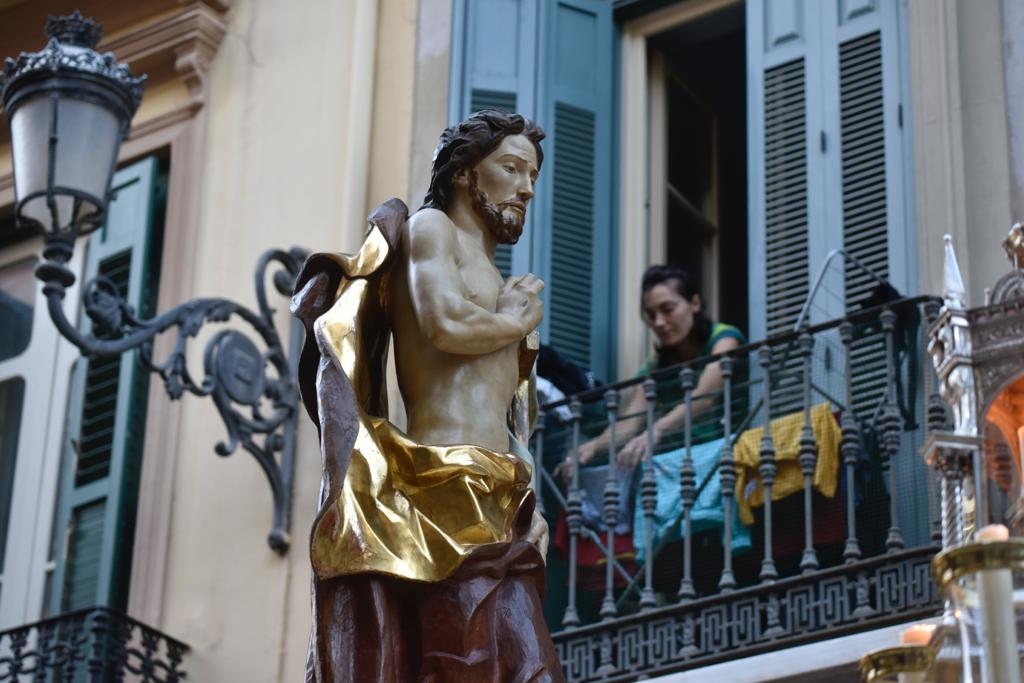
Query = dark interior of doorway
x=706 y=140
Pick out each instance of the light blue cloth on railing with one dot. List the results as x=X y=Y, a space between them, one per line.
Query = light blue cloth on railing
x=707 y=512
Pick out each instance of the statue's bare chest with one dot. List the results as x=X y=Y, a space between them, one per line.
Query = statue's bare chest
x=481 y=279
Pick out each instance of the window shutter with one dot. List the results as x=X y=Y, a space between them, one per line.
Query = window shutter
x=783 y=106
x=12 y=396
x=785 y=195
x=827 y=165
x=496 y=99
x=572 y=250
x=867 y=174
x=864 y=205
x=552 y=62
x=784 y=175
x=851 y=193
x=863 y=162
x=493 y=57
x=106 y=417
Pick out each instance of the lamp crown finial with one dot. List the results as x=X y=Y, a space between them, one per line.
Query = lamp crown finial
x=74 y=29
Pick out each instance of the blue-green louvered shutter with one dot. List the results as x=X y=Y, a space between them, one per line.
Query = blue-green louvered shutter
x=786 y=211
x=106 y=416
x=496 y=99
x=493 y=67
x=784 y=115
x=826 y=152
x=866 y=191
x=572 y=247
x=869 y=193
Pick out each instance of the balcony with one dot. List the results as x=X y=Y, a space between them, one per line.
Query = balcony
x=97 y=644
x=823 y=530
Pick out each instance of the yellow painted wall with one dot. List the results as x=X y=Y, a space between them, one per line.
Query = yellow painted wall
x=279 y=101
x=962 y=126
x=308 y=125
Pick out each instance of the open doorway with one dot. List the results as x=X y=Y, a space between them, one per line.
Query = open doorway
x=698 y=155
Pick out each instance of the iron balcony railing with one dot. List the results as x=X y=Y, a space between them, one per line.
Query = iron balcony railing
x=95 y=645
x=733 y=539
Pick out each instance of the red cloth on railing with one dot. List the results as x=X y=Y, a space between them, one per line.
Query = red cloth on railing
x=591 y=560
x=829 y=524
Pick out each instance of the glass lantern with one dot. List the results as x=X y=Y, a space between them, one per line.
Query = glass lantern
x=69 y=107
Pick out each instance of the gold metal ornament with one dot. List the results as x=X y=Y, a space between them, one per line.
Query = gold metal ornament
x=876 y=665
x=954 y=563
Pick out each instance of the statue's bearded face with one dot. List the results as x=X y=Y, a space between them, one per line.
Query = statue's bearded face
x=501 y=186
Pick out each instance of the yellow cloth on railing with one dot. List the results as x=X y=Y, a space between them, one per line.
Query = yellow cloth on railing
x=788 y=477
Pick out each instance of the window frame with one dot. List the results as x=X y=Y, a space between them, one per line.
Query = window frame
x=45 y=366
x=635 y=99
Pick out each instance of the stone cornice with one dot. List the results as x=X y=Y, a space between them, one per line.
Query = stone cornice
x=187 y=41
x=180 y=45
x=222 y=5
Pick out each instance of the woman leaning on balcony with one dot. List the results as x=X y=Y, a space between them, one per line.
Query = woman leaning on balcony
x=671 y=306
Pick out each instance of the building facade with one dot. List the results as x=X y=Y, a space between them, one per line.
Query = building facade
x=744 y=139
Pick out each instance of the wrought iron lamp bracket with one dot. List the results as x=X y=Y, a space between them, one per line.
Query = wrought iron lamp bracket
x=254 y=391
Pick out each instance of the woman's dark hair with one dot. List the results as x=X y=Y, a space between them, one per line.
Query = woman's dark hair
x=465 y=144
x=682 y=282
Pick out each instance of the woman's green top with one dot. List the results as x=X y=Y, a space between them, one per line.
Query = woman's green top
x=708 y=425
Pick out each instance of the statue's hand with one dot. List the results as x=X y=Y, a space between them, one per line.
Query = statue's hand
x=520 y=298
x=538 y=534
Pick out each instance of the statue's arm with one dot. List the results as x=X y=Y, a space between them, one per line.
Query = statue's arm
x=452 y=322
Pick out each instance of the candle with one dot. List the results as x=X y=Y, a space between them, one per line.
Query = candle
x=993 y=532
x=918 y=634
x=998 y=626
x=1020 y=447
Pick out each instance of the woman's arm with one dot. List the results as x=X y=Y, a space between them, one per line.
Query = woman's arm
x=623 y=430
x=709 y=382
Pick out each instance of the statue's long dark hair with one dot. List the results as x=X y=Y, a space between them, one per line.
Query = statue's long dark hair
x=681 y=281
x=465 y=144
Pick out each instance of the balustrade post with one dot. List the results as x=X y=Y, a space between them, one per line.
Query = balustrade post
x=649 y=498
x=687 y=486
x=727 y=476
x=611 y=519
x=808 y=456
x=611 y=506
x=100 y=632
x=849 y=446
x=47 y=638
x=891 y=428
x=767 y=467
x=574 y=514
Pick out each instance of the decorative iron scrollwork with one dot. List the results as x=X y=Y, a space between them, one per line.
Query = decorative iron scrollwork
x=254 y=391
x=855 y=597
x=98 y=644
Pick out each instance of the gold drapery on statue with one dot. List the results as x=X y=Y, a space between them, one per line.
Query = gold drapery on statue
x=390 y=505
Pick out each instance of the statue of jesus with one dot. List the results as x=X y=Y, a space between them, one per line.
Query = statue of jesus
x=428 y=554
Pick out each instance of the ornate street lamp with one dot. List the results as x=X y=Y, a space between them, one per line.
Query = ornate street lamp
x=69 y=107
